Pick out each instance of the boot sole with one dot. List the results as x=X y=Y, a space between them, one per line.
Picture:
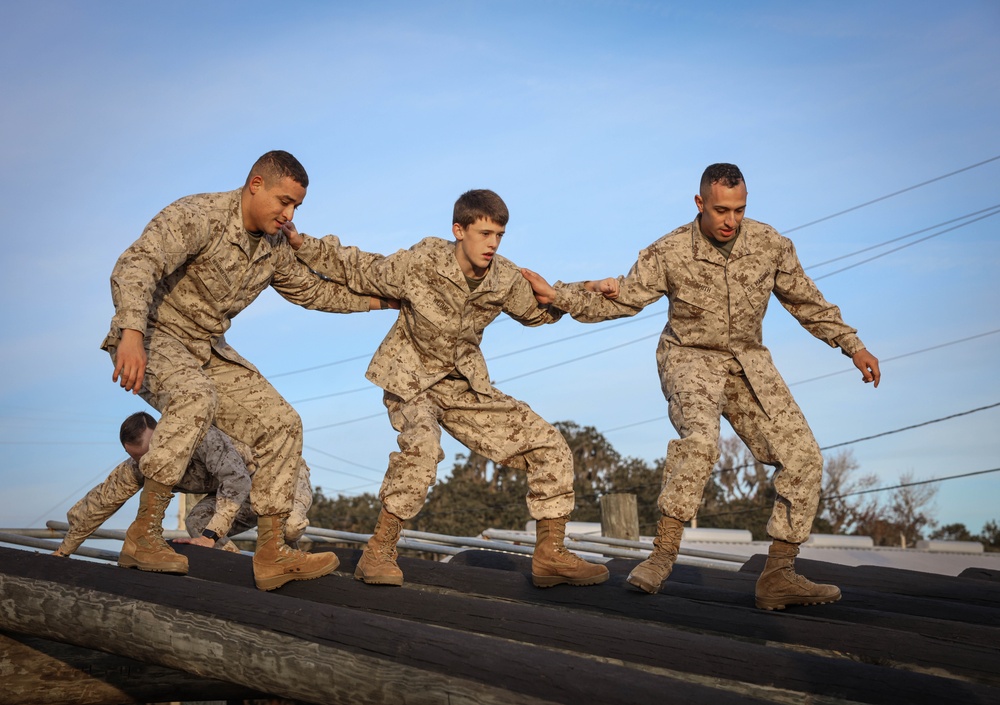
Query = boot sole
x=776 y=604
x=268 y=584
x=394 y=582
x=644 y=586
x=547 y=581
x=129 y=562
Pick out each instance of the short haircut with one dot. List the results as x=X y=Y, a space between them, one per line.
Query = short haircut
x=729 y=175
x=480 y=203
x=276 y=165
x=134 y=426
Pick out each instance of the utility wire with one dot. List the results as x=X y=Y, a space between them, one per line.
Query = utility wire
x=902 y=237
x=894 y=193
x=799 y=227
x=903 y=247
x=750 y=510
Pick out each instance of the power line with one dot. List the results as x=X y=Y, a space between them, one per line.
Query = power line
x=899 y=357
x=891 y=195
x=913 y=484
x=904 y=485
x=832 y=374
x=910 y=428
x=901 y=237
x=834 y=215
x=903 y=247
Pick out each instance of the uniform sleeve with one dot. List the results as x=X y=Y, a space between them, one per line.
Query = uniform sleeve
x=96 y=506
x=367 y=273
x=521 y=305
x=221 y=458
x=645 y=284
x=800 y=296
x=298 y=283
x=171 y=238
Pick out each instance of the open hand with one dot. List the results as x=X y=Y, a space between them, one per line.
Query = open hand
x=544 y=293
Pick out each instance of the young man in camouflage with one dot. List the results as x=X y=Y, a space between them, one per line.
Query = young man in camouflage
x=221 y=469
x=719 y=273
x=198 y=263
x=434 y=375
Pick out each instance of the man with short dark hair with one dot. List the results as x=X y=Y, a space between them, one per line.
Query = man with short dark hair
x=718 y=273
x=198 y=263
x=221 y=469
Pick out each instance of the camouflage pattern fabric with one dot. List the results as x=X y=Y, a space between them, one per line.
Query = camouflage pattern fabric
x=203 y=513
x=434 y=374
x=181 y=283
x=217 y=468
x=441 y=323
x=500 y=428
x=713 y=363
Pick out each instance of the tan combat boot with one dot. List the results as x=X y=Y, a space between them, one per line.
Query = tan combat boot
x=144 y=547
x=553 y=564
x=779 y=585
x=275 y=564
x=650 y=574
x=378 y=562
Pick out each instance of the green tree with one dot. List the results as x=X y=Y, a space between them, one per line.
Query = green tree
x=953 y=532
x=356 y=513
x=991 y=536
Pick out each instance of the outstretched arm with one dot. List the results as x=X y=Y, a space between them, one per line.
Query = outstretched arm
x=868 y=364
x=609 y=287
x=544 y=293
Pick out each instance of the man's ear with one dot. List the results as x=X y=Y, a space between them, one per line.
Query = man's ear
x=458 y=231
x=256 y=183
x=699 y=202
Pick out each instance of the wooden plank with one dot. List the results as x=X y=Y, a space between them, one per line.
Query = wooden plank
x=40 y=672
x=647 y=645
x=302 y=650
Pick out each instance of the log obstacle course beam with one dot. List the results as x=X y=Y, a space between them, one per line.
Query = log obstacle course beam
x=302 y=650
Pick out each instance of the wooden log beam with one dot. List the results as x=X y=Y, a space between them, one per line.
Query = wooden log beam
x=306 y=651
x=728 y=662
x=37 y=671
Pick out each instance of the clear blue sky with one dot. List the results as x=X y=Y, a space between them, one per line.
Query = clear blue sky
x=594 y=120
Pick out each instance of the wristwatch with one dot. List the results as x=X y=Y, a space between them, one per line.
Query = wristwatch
x=209 y=534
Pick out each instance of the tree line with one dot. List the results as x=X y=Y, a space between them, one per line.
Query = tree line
x=480 y=494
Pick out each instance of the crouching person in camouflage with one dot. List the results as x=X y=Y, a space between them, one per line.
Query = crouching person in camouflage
x=198 y=263
x=221 y=469
x=718 y=273
x=434 y=376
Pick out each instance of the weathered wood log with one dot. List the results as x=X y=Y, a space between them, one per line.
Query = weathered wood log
x=620 y=516
x=37 y=671
x=703 y=656
x=981 y=574
x=298 y=649
x=906 y=644
x=895 y=580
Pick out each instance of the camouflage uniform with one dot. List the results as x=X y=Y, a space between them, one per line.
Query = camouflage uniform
x=712 y=361
x=202 y=514
x=220 y=468
x=434 y=374
x=181 y=283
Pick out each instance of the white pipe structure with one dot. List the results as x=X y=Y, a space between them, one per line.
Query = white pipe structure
x=644 y=546
x=628 y=549
x=19 y=539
